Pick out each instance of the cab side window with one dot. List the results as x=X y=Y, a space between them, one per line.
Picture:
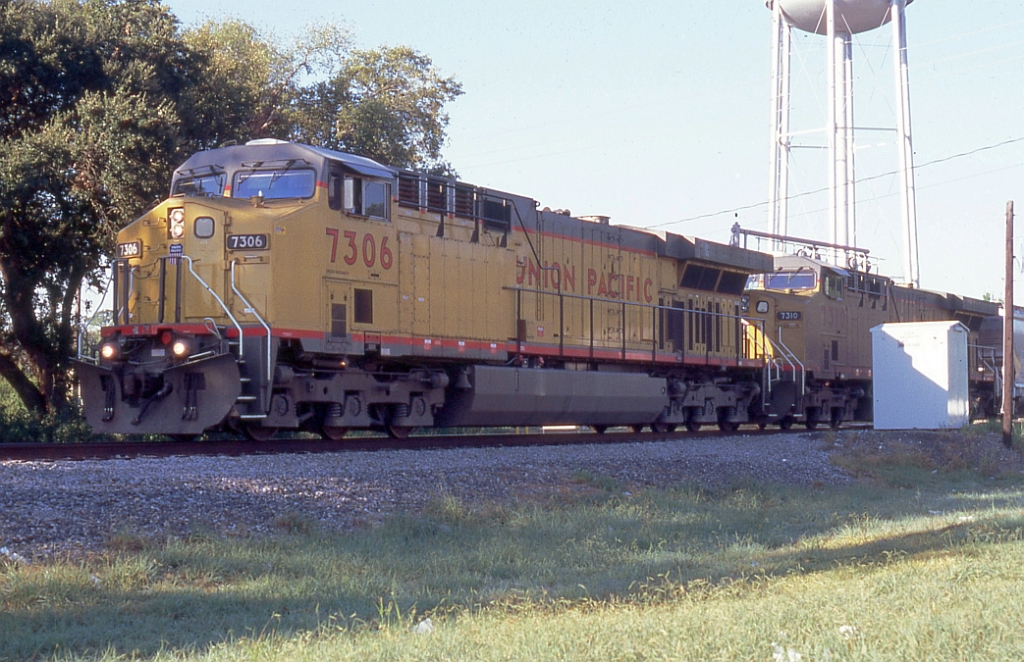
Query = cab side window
x=834 y=287
x=376 y=196
x=367 y=198
x=334 y=190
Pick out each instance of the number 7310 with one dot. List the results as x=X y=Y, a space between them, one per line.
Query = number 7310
x=352 y=248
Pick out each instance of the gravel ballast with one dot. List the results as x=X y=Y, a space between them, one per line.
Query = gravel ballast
x=72 y=508
x=77 y=508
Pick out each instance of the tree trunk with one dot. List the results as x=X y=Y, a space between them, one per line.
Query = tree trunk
x=30 y=396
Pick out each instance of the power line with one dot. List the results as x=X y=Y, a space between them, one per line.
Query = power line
x=859 y=181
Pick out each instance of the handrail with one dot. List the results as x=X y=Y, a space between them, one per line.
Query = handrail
x=620 y=302
x=249 y=308
x=241 y=336
x=129 y=289
x=130 y=286
x=791 y=357
x=82 y=328
x=623 y=303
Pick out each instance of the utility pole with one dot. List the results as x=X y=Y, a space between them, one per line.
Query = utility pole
x=1008 y=362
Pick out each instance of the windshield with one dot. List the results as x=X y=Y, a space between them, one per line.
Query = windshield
x=201 y=185
x=783 y=280
x=272 y=184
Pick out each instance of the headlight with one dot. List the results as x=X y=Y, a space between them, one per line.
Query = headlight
x=180 y=348
x=176 y=223
x=109 y=350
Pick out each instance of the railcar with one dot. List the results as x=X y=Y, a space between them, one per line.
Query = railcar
x=818 y=318
x=991 y=335
x=287 y=287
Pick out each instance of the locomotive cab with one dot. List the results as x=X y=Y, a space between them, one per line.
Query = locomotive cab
x=822 y=362
x=200 y=280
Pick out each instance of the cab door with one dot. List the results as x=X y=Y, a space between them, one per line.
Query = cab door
x=338 y=312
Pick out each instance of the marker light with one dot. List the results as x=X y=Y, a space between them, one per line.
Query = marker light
x=176 y=223
x=180 y=348
x=108 y=350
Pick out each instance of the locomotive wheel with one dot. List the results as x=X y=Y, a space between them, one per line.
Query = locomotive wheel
x=786 y=422
x=693 y=425
x=662 y=428
x=599 y=429
x=837 y=418
x=813 y=417
x=333 y=432
x=637 y=428
x=398 y=431
x=258 y=432
x=724 y=424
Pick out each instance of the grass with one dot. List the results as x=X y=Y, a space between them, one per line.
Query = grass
x=916 y=561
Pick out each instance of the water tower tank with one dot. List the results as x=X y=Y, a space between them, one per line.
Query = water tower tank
x=852 y=16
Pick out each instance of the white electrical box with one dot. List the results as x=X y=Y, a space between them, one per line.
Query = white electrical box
x=920 y=375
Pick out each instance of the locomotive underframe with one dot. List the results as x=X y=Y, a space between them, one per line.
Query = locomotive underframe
x=371 y=393
x=334 y=393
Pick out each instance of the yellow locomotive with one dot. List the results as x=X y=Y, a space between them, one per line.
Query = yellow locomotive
x=283 y=286
x=818 y=319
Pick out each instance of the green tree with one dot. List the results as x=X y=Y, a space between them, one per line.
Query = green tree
x=100 y=99
x=387 y=104
x=89 y=129
x=257 y=79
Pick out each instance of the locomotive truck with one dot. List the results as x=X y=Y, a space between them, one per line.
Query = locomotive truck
x=287 y=287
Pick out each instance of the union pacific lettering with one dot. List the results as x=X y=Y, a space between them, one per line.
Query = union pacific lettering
x=619 y=286
x=552 y=276
x=627 y=287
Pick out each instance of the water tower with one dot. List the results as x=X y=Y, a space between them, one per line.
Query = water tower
x=839 y=20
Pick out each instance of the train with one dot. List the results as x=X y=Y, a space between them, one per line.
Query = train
x=818 y=306
x=285 y=287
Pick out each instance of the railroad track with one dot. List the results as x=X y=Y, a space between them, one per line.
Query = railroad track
x=237 y=447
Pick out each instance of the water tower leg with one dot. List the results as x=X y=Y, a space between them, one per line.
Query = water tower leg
x=773 y=147
x=778 y=167
x=830 y=121
x=787 y=41
x=851 y=214
x=842 y=136
x=905 y=145
x=840 y=127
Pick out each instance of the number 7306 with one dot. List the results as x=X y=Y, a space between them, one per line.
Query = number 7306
x=352 y=248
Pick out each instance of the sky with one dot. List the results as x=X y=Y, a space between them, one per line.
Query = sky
x=657 y=114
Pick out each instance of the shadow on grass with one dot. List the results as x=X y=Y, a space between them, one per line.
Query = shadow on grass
x=191 y=595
